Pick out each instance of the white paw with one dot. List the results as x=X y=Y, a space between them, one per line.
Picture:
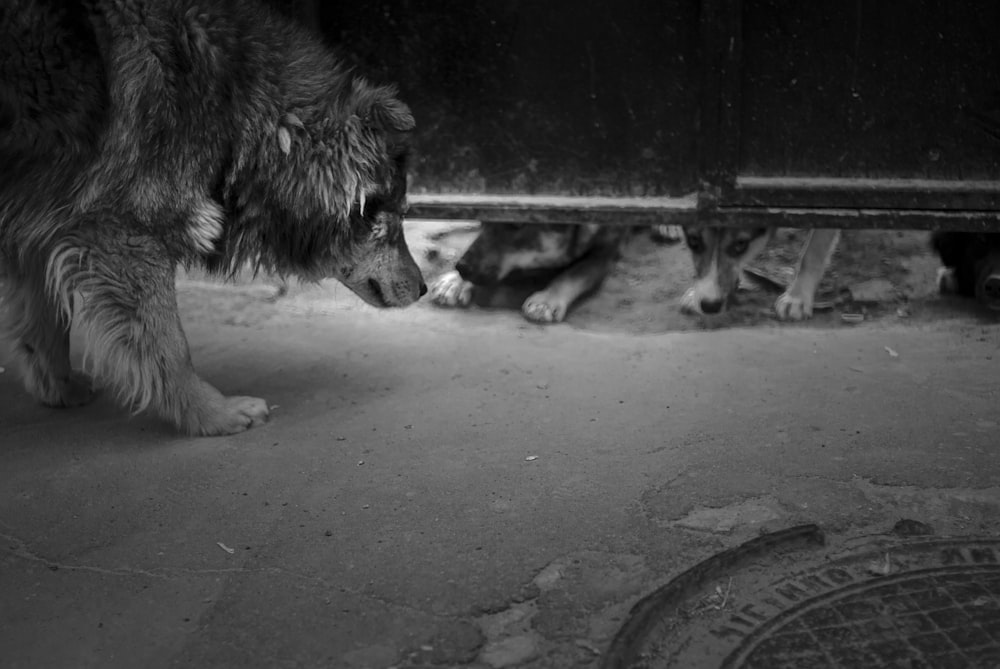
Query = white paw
x=667 y=234
x=450 y=290
x=791 y=307
x=690 y=302
x=543 y=308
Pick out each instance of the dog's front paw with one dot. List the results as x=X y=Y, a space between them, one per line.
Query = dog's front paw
x=792 y=307
x=689 y=302
x=450 y=290
x=666 y=234
x=229 y=415
x=544 y=308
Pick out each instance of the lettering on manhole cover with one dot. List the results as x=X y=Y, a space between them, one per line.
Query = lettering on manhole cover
x=787 y=601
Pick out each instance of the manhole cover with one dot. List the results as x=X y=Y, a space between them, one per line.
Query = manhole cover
x=786 y=600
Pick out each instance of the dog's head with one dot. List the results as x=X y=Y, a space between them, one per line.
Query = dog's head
x=501 y=249
x=974 y=263
x=379 y=267
x=324 y=194
x=719 y=256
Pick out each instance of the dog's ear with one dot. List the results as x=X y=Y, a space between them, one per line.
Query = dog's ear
x=393 y=114
x=379 y=107
x=289 y=123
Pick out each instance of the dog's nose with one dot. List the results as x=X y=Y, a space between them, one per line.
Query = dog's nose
x=711 y=306
x=423 y=289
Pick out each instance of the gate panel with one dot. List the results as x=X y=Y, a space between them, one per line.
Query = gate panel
x=870 y=88
x=841 y=113
x=886 y=110
x=558 y=97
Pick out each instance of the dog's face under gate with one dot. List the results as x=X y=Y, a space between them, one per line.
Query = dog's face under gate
x=719 y=256
x=503 y=248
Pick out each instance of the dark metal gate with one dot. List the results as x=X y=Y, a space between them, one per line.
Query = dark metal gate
x=833 y=113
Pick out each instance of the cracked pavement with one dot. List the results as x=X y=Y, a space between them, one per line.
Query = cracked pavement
x=389 y=514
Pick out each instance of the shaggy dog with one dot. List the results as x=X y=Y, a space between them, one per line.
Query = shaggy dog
x=971 y=263
x=137 y=135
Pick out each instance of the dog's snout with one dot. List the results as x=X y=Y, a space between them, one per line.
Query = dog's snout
x=423 y=288
x=710 y=306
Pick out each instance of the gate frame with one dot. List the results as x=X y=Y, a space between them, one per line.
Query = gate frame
x=726 y=198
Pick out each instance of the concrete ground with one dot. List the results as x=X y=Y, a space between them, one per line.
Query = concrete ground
x=465 y=489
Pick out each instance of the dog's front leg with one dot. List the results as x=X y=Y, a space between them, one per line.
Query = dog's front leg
x=135 y=343
x=796 y=303
x=551 y=304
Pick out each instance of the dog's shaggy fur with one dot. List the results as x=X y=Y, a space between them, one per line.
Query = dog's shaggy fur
x=136 y=135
